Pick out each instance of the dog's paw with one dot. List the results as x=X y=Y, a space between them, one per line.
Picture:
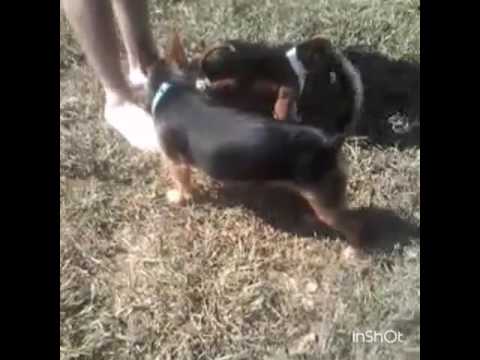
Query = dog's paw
x=175 y=197
x=202 y=84
x=356 y=256
x=350 y=253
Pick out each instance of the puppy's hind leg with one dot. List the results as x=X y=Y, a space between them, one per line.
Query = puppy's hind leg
x=181 y=175
x=335 y=217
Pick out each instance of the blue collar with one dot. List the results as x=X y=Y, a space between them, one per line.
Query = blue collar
x=162 y=90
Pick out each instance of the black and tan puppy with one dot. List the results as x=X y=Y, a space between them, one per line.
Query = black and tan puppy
x=250 y=77
x=230 y=145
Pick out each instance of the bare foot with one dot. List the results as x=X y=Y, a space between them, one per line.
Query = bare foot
x=132 y=122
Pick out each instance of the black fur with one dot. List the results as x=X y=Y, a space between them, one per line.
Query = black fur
x=229 y=144
x=250 y=61
x=326 y=106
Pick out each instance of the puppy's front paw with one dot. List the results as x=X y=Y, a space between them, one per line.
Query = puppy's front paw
x=177 y=197
x=350 y=253
x=356 y=256
x=174 y=197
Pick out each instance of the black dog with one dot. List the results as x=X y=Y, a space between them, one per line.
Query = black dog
x=325 y=90
x=230 y=145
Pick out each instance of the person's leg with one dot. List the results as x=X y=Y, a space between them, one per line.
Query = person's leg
x=134 y=25
x=92 y=22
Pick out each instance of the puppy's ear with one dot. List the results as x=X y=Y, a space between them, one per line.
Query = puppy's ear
x=313 y=52
x=175 y=53
x=320 y=44
x=214 y=56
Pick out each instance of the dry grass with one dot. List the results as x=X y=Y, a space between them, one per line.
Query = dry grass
x=239 y=274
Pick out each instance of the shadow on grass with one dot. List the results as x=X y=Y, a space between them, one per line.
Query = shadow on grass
x=391 y=116
x=382 y=230
x=392 y=98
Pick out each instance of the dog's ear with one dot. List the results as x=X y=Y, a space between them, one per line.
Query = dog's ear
x=175 y=53
x=213 y=57
x=313 y=52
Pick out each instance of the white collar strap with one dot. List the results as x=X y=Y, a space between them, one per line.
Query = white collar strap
x=297 y=66
x=162 y=89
